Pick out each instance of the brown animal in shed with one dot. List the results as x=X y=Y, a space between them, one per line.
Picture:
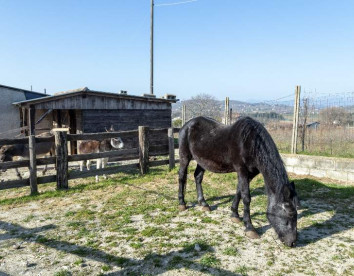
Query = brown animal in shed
x=86 y=147
x=10 y=153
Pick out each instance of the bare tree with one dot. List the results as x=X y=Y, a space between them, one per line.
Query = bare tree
x=335 y=116
x=304 y=122
x=203 y=105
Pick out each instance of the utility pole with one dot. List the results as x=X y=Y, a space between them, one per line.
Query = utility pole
x=152 y=49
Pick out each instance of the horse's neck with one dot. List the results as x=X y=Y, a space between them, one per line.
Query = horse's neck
x=274 y=177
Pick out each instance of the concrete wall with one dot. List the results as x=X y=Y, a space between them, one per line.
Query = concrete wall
x=341 y=169
x=9 y=114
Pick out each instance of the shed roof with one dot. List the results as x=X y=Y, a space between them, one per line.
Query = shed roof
x=87 y=92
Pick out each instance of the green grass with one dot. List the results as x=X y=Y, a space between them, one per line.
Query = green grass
x=231 y=251
x=209 y=260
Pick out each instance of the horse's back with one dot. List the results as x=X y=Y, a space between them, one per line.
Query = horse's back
x=207 y=142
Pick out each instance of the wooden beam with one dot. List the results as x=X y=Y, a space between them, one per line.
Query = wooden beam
x=101 y=136
x=144 y=149
x=32 y=122
x=114 y=153
x=61 y=152
x=295 y=120
x=171 y=148
x=32 y=164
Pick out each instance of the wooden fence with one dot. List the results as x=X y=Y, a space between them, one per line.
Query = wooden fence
x=138 y=144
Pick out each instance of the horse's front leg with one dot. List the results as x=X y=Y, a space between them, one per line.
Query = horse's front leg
x=235 y=217
x=198 y=177
x=243 y=182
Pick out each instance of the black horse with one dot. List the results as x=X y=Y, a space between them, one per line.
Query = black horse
x=248 y=149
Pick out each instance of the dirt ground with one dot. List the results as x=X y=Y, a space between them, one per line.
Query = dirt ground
x=130 y=225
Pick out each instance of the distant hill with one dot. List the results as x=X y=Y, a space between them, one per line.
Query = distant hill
x=244 y=107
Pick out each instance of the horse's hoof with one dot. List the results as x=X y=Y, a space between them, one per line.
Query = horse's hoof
x=182 y=207
x=206 y=209
x=236 y=220
x=252 y=234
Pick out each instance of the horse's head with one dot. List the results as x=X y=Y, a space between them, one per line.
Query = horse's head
x=282 y=214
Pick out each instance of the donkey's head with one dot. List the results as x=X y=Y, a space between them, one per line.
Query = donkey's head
x=116 y=143
x=282 y=215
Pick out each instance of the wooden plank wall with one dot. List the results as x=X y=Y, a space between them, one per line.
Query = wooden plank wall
x=97 y=120
x=99 y=102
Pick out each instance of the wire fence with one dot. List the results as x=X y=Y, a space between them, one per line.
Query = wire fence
x=326 y=121
x=326 y=125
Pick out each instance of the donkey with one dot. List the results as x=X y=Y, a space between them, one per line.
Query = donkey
x=21 y=151
x=247 y=148
x=86 y=147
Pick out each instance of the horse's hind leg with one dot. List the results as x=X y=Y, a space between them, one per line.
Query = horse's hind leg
x=182 y=179
x=198 y=176
x=235 y=217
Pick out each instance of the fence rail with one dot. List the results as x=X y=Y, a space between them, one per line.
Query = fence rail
x=161 y=140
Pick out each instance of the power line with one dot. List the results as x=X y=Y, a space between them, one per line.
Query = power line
x=176 y=3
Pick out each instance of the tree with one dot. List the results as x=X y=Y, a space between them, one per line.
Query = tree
x=335 y=116
x=203 y=105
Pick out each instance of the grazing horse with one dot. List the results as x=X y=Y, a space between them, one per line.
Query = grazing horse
x=21 y=151
x=99 y=146
x=247 y=148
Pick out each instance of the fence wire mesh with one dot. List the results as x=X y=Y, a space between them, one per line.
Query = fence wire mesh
x=326 y=121
x=326 y=125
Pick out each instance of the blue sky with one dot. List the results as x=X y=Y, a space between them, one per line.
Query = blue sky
x=242 y=49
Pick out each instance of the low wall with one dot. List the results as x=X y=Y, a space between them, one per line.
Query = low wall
x=341 y=169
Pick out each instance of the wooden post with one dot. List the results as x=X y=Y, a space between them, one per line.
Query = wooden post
x=61 y=152
x=171 y=148
x=295 y=119
x=32 y=151
x=183 y=114
x=32 y=164
x=230 y=118
x=144 y=149
x=227 y=108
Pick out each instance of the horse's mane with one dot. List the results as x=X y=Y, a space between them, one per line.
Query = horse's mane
x=268 y=159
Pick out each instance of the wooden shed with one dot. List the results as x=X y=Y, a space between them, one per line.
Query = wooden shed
x=87 y=111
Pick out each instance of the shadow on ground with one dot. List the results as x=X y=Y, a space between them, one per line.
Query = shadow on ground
x=159 y=263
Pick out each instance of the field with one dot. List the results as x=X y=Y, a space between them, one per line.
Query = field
x=130 y=225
